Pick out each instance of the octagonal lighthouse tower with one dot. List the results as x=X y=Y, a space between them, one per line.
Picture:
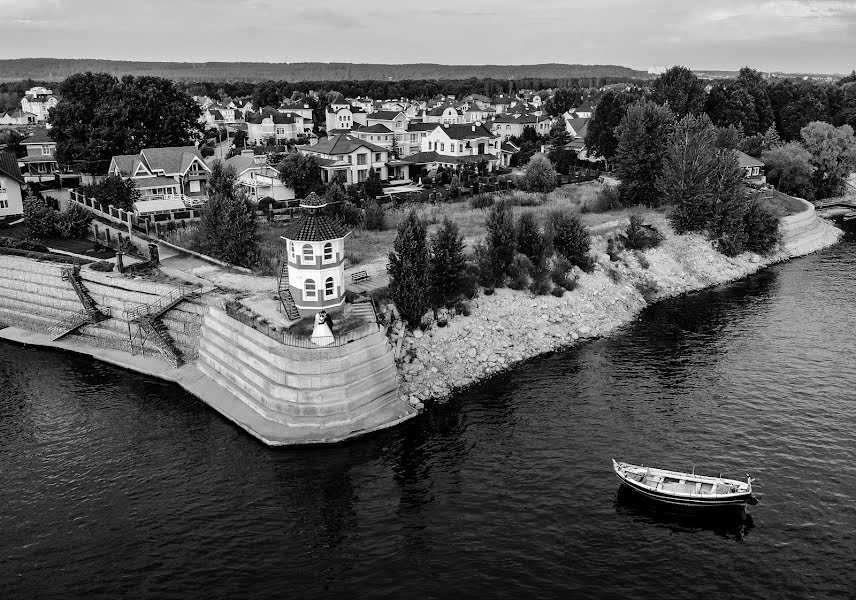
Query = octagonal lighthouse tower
x=315 y=249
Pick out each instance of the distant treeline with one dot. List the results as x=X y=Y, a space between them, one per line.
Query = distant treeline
x=267 y=92
x=55 y=69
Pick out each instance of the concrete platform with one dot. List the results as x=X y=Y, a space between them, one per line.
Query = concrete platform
x=217 y=397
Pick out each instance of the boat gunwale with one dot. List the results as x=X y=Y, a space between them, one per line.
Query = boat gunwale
x=692 y=497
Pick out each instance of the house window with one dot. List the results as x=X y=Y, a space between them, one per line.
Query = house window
x=309 y=289
x=291 y=249
x=328 y=251
x=4 y=203
x=308 y=253
x=442 y=146
x=361 y=175
x=377 y=157
x=429 y=146
x=195 y=187
x=47 y=150
x=2 y=185
x=329 y=288
x=398 y=124
x=361 y=159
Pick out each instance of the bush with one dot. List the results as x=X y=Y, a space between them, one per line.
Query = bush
x=74 y=222
x=540 y=175
x=481 y=201
x=648 y=289
x=606 y=199
x=639 y=236
x=558 y=291
x=519 y=272
x=762 y=228
x=501 y=240
x=613 y=250
x=570 y=238
x=541 y=284
x=375 y=217
x=642 y=259
x=102 y=266
x=530 y=240
x=21 y=245
x=454 y=187
x=561 y=274
x=41 y=220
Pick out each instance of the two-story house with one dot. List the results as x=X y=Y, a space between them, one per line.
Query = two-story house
x=302 y=110
x=273 y=125
x=445 y=114
x=17 y=117
x=450 y=146
x=258 y=179
x=11 y=197
x=165 y=173
x=340 y=117
x=380 y=135
x=348 y=157
x=38 y=101
x=512 y=125
x=40 y=163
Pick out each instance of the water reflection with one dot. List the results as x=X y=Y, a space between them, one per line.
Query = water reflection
x=733 y=522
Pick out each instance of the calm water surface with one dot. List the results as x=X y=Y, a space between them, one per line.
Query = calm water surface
x=115 y=485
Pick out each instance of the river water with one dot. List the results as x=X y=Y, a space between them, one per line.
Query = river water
x=116 y=485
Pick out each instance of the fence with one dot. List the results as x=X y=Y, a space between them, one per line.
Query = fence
x=240 y=314
x=142 y=223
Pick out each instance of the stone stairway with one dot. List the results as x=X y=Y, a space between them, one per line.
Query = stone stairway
x=72 y=275
x=285 y=297
x=365 y=310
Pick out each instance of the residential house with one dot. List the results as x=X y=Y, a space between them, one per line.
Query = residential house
x=445 y=114
x=348 y=157
x=577 y=127
x=301 y=109
x=411 y=142
x=258 y=179
x=501 y=103
x=17 y=117
x=338 y=117
x=507 y=150
x=584 y=110
x=394 y=120
x=450 y=146
x=754 y=169
x=380 y=135
x=244 y=105
x=40 y=163
x=273 y=125
x=11 y=197
x=476 y=114
x=512 y=125
x=39 y=101
x=165 y=173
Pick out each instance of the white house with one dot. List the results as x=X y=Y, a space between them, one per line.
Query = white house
x=271 y=124
x=450 y=146
x=39 y=101
x=165 y=173
x=348 y=157
x=512 y=125
x=258 y=179
x=11 y=198
x=302 y=110
x=17 y=117
x=445 y=114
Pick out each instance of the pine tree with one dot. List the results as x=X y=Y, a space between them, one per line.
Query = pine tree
x=501 y=242
x=643 y=137
x=530 y=240
x=447 y=264
x=408 y=270
x=570 y=238
x=373 y=186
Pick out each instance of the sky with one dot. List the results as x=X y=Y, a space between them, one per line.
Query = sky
x=769 y=35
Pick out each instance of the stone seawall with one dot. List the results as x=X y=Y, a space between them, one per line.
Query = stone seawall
x=337 y=392
x=34 y=296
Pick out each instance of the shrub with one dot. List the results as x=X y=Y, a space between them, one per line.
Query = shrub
x=481 y=201
x=639 y=236
x=558 y=291
x=114 y=190
x=530 y=240
x=21 y=245
x=540 y=175
x=541 y=284
x=613 y=249
x=102 y=265
x=454 y=187
x=374 y=218
x=561 y=274
x=446 y=266
x=642 y=259
x=41 y=220
x=74 y=222
x=519 y=271
x=762 y=228
x=570 y=238
x=606 y=199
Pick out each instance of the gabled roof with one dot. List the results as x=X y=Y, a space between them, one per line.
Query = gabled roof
x=438 y=111
x=342 y=144
x=126 y=163
x=172 y=160
x=580 y=125
x=748 y=161
x=420 y=126
x=466 y=131
x=39 y=136
x=277 y=117
x=586 y=106
x=339 y=99
x=9 y=167
x=215 y=114
x=377 y=128
x=385 y=115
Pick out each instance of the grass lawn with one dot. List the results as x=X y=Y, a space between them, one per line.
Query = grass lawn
x=782 y=204
x=82 y=247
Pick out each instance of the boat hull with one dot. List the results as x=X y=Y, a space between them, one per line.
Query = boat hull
x=673 y=500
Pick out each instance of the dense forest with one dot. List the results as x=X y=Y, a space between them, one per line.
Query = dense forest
x=55 y=69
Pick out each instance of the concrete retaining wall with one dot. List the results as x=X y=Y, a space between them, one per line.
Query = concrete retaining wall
x=804 y=232
x=33 y=296
x=323 y=388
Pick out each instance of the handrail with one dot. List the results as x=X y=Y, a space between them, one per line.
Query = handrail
x=70 y=322
x=156 y=308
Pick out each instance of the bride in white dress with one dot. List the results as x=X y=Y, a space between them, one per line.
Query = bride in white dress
x=321 y=334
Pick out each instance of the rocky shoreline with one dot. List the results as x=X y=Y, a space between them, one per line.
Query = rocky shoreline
x=510 y=327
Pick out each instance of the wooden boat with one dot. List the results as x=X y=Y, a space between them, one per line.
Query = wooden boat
x=684 y=489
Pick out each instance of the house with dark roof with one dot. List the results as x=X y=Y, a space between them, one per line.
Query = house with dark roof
x=512 y=124
x=17 y=117
x=39 y=164
x=272 y=125
x=11 y=197
x=165 y=173
x=378 y=134
x=577 y=127
x=301 y=109
x=753 y=169
x=445 y=114
x=348 y=157
x=450 y=146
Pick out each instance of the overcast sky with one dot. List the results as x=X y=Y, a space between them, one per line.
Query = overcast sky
x=780 y=35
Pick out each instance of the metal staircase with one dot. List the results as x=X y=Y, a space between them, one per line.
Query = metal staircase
x=90 y=313
x=147 y=318
x=285 y=296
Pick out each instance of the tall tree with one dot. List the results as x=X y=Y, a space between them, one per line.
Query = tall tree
x=227 y=230
x=447 y=264
x=373 y=186
x=540 y=176
x=99 y=117
x=643 y=136
x=408 y=270
x=833 y=155
x=789 y=169
x=563 y=100
x=501 y=240
x=681 y=90
x=530 y=240
x=301 y=172
x=600 y=138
